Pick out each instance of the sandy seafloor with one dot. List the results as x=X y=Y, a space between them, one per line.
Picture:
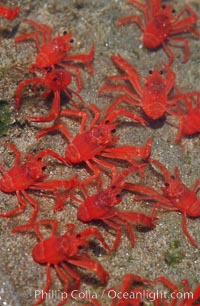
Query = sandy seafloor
x=154 y=251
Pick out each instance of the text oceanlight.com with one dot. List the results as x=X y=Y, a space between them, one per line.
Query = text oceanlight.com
x=112 y=294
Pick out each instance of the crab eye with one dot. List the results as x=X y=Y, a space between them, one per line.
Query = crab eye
x=44 y=168
x=173 y=11
x=150 y=71
x=161 y=72
x=49 y=69
x=71 y=41
x=166 y=184
x=65 y=32
x=118 y=196
x=113 y=131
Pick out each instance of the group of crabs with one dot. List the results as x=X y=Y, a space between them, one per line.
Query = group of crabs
x=96 y=147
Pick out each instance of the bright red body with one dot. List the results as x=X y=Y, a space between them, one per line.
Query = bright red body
x=176 y=196
x=162 y=25
x=29 y=175
x=54 y=80
x=101 y=206
x=90 y=143
x=54 y=51
x=63 y=252
x=98 y=141
x=22 y=176
x=9 y=13
x=152 y=97
x=49 y=250
x=190 y=116
x=158 y=29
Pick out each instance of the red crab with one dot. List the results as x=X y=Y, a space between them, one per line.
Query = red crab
x=161 y=26
x=97 y=141
x=187 y=298
x=101 y=206
x=153 y=96
x=29 y=175
x=176 y=196
x=9 y=13
x=63 y=252
x=54 y=51
x=55 y=80
x=190 y=116
x=134 y=291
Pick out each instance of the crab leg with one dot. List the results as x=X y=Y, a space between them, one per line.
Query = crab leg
x=185 y=46
x=95 y=232
x=49 y=185
x=66 y=281
x=48 y=152
x=83 y=58
x=8 y=13
x=179 y=26
x=149 y=193
x=169 y=53
x=135 y=19
x=73 y=274
x=16 y=152
x=116 y=182
x=60 y=127
x=122 y=112
x=72 y=100
x=54 y=110
x=118 y=229
x=47 y=286
x=108 y=165
x=22 y=206
x=138 y=218
x=196 y=293
x=129 y=152
x=196 y=186
x=43 y=28
x=96 y=174
x=2 y=170
x=121 y=99
x=76 y=73
x=32 y=35
x=83 y=115
x=96 y=112
x=21 y=87
x=92 y=266
x=185 y=230
x=119 y=219
x=133 y=75
x=116 y=88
